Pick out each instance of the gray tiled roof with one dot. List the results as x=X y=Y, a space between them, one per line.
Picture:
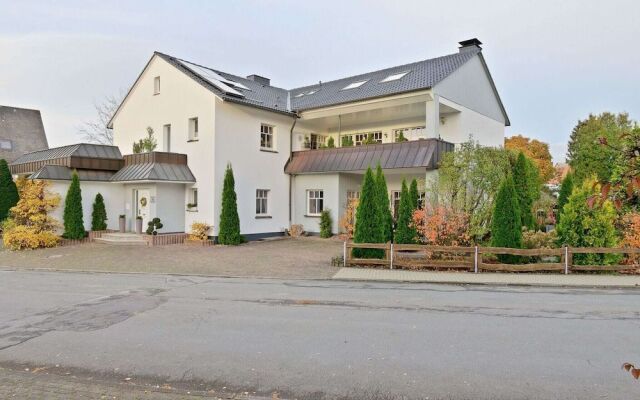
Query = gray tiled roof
x=154 y=172
x=421 y=153
x=76 y=150
x=421 y=75
x=61 y=173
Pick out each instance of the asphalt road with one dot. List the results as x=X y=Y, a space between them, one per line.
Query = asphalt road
x=311 y=339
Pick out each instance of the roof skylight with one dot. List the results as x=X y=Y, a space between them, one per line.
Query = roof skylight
x=299 y=95
x=311 y=92
x=394 y=77
x=355 y=85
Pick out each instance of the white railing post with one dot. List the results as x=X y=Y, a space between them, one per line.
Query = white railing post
x=391 y=257
x=475 y=260
x=344 y=254
x=566 y=260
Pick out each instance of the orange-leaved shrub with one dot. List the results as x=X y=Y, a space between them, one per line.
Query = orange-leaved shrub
x=442 y=226
x=348 y=220
x=199 y=231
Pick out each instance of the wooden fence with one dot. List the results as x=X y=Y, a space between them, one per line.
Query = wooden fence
x=416 y=256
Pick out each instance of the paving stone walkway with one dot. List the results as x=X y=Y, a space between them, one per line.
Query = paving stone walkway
x=571 y=280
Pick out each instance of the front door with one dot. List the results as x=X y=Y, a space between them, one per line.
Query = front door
x=143 y=201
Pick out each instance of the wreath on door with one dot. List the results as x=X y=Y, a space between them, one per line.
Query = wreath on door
x=143 y=202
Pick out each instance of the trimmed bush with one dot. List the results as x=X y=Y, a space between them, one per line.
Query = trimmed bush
x=384 y=207
x=73 y=218
x=405 y=230
x=369 y=227
x=153 y=226
x=229 y=220
x=506 y=225
x=99 y=214
x=566 y=188
x=414 y=196
x=326 y=224
x=8 y=190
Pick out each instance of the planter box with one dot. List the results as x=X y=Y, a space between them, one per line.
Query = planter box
x=138 y=226
x=198 y=243
x=123 y=225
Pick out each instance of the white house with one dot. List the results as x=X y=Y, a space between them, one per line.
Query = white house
x=274 y=138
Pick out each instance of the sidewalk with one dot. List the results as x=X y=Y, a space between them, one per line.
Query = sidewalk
x=386 y=275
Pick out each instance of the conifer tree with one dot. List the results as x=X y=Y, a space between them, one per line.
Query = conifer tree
x=331 y=143
x=405 y=231
x=384 y=207
x=229 y=232
x=326 y=224
x=99 y=214
x=506 y=225
x=523 y=190
x=369 y=227
x=566 y=188
x=73 y=218
x=8 y=190
x=414 y=196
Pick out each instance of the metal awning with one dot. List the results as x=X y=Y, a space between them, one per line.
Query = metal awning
x=154 y=172
x=60 y=173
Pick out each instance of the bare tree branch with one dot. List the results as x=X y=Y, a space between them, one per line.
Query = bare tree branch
x=96 y=131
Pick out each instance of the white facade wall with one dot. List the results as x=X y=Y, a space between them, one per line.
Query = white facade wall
x=169 y=199
x=330 y=185
x=111 y=192
x=468 y=124
x=237 y=141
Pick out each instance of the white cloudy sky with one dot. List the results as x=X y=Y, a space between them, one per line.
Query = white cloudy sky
x=554 y=62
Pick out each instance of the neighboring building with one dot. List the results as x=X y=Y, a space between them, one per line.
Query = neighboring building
x=561 y=172
x=21 y=132
x=274 y=137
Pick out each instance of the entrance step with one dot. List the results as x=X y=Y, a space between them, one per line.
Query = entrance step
x=123 y=239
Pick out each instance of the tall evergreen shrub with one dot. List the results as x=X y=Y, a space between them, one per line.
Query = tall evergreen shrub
x=99 y=214
x=405 y=232
x=506 y=225
x=523 y=190
x=8 y=190
x=326 y=224
x=73 y=219
x=414 y=196
x=566 y=188
x=229 y=232
x=384 y=206
x=369 y=226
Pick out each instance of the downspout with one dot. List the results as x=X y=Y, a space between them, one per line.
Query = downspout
x=295 y=119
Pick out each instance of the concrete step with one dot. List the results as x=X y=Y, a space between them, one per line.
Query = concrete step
x=122 y=239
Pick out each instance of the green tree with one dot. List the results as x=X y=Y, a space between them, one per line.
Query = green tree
x=369 y=227
x=326 y=224
x=405 y=231
x=73 y=219
x=99 y=214
x=8 y=191
x=521 y=179
x=585 y=226
x=414 y=196
x=585 y=156
x=566 y=188
x=229 y=232
x=147 y=144
x=331 y=143
x=506 y=225
x=384 y=207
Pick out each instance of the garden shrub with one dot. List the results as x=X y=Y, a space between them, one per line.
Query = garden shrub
x=442 y=226
x=566 y=188
x=229 y=219
x=73 y=218
x=405 y=230
x=522 y=186
x=8 y=190
x=199 y=231
x=326 y=224
x=506 y=225
x=153 y=226
x=331 y=143
x=584 y=226
x=369 y=227
x=631 y=233
x=532 y=239
x=348 y=220
x=99 y=214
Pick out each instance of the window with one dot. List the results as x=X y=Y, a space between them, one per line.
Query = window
x=193 y=199
x=262 y=202
x=354 y=85
x=395 y=202
x=352 y=195
x=156 y=85
x=315 y=202
x=421 y=197
x=193 y=128
x=166 y=137
x=266 y=136
x=394 y=77
x=411 y=133
x=5 y=144
x=316 y=141
x=361 y=138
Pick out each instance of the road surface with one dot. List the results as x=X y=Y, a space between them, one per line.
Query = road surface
x=316 y=338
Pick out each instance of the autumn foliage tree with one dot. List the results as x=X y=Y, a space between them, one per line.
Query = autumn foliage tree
x=442 y=226
x=30 y=226
x=535 y=150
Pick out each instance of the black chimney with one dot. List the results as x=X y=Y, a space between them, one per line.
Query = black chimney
x=470 y=44
x=260 y=79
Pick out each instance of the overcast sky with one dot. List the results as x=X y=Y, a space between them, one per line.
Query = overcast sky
x=553 y=62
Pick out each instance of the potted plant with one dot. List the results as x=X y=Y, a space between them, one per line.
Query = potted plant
x=192 y=206
x=139 y=225
x=122 y=221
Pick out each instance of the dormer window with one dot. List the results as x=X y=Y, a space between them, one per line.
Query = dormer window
x=156 y=85
x=354 y=85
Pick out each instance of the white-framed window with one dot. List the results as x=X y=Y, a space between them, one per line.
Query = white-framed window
x=156 y=85
x=315 y=202
x=316 y=141
x=421 y=199
x=410 y=133
x=6 y=144
x=360 y=138
x=193 y=199
x=262 y=201
x=266 y=136
x=353 y=195
x=193 y=128
x=166 y=137
x=395 y=202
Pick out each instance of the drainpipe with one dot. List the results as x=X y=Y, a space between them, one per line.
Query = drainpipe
x=295 y=119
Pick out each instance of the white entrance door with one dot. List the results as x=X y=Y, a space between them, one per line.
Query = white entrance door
x=143 y=200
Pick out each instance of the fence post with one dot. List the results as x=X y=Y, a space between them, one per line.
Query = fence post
x=391 y=257
x=344 y=254
x=475 y=260
x=566 y=260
